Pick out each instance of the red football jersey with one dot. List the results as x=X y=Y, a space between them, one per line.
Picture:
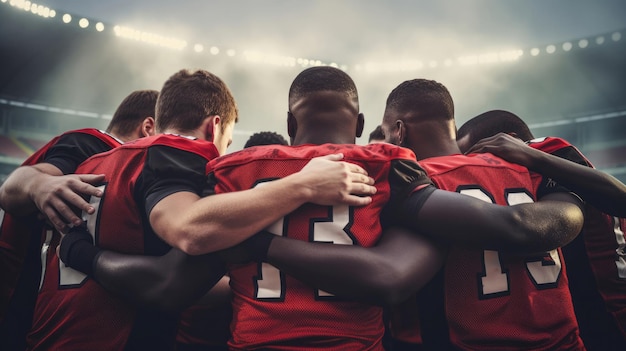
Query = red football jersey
x=16 y=232
x=272 y=309
x=494 y=300
x=596 y=263
x=75 y=313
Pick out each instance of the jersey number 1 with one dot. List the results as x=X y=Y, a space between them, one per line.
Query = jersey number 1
x=544 y=271
x=270 y=284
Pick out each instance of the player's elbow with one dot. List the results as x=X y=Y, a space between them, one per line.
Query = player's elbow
x=189 y=239
x=393 y=286
x=531 y=233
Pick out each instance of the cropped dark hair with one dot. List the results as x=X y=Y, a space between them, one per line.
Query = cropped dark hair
x=493 y=122
x=377 y=134
x=428 y=98
x=188 y=97
x=132 y=111
x=322 y=78
x=265 y=138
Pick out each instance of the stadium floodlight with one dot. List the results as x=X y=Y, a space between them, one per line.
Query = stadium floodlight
x=99 y=26
x=83 y=23
x=198 y=48
x=467 y=60
x=511 y=55
x=149 y=38
x=600 y=40
x=582 y=43
x=567 y=46
x=231 y=52
x=550 y=49
x=616 y=36
x=67 y=18
x=535 y=51
x=214 y=50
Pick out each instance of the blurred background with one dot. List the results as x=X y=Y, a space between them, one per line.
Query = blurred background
x=558 y=64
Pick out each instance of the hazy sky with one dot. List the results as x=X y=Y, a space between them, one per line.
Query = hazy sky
x=351 y=32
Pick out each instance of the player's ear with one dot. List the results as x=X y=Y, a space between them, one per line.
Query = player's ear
x=147 y=127
x=292 y=125
x=211 y=125
x=400 y=132
x=360 y=123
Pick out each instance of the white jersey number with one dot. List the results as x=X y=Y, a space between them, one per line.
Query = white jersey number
x=543 y=271
x=620 y=261
x=270 y=283
x=69 y=277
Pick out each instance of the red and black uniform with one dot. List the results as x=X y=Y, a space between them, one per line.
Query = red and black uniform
x=21 y=238
x=494 y=300
x=272 y=309
x=596 y=266
x=73 y=312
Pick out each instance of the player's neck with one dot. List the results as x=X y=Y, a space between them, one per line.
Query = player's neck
x=324 y=138
x=435 y=149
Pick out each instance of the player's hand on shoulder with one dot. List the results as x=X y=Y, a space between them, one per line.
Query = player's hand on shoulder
x=57 y=197
x=335 y=182
x=507 y=147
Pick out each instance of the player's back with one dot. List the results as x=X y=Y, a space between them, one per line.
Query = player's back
x=73 y=311
x=21 y=238
x=14 y=237
x=494 y=300
x=272 y=309
x=596 y=264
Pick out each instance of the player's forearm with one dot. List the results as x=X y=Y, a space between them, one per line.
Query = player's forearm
x=385 y=274
x=170 y=282
x=526 y=228
x=224 y=220
x=598 y=188
x=16 y=193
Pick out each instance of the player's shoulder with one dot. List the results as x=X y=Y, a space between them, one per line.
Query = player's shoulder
x=93 y=133
x=203 y=148
x=549 y=144
x=380 y=152
x=443 y=164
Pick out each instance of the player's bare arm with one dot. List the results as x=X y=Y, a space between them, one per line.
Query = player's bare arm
x=43 y=188
x=169 y=282
x=202 y=225
x=459 y=219
x=600 y=189
x=399 y=265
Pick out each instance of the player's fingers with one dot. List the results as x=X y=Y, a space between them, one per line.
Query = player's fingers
x=91 y=178
x=355 y=168
x=74 y=198
x=55 y=220
x=363 y=188
x=353 y=200
x=333 y=157
x=479 y=147
x=361 y=178
x=66 y=214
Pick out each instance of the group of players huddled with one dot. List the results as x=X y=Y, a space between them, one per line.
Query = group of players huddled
x=148 y=236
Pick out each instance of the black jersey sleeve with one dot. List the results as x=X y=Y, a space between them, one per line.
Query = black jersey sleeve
x=404 y=178
x=72 y=149
x=169 y=170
